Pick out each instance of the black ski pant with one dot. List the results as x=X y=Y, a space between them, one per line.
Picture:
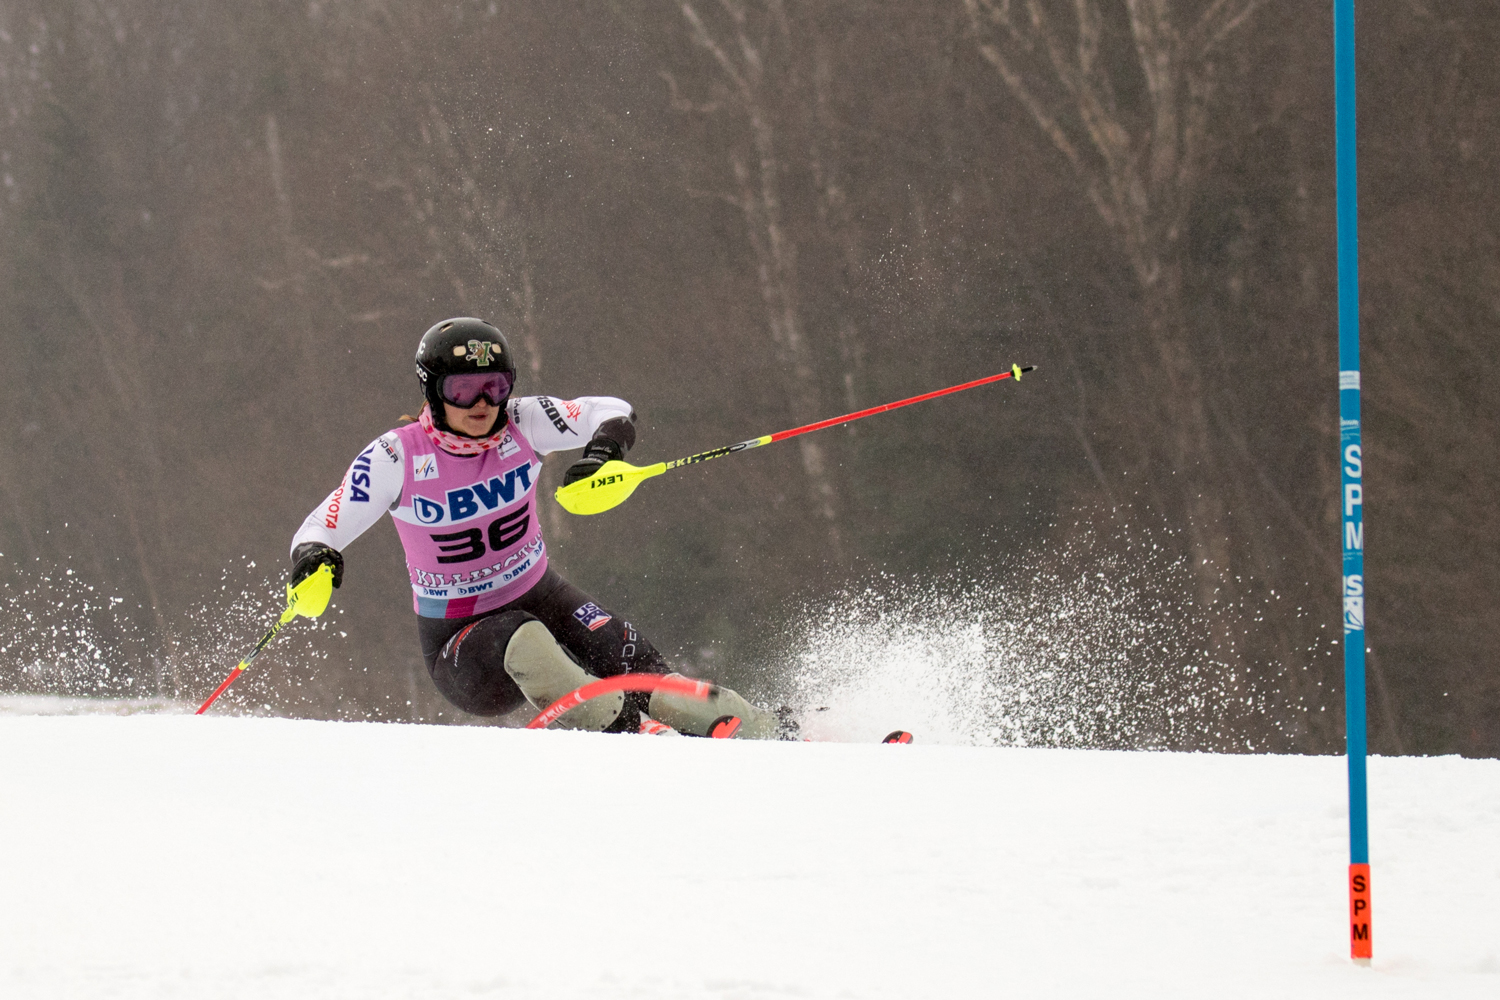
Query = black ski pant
x=466 y=656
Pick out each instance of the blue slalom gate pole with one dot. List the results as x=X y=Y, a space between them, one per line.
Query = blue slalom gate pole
x=1351 y=465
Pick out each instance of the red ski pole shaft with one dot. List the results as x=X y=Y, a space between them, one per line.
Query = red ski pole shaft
x=309 y=597
x=613 y=483
x=1015 y=372
x=224 y=686
x=240 y=668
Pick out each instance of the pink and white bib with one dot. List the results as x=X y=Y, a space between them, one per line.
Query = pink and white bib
x=469 y=524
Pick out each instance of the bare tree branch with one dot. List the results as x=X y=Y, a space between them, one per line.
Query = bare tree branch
x=753 y=55
x=704 y=39
x=1218 y=23
x=680 y=103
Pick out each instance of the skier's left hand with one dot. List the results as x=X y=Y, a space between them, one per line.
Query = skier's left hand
x=595 y=454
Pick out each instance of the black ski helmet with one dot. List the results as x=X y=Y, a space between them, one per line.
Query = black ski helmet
x=460 y=346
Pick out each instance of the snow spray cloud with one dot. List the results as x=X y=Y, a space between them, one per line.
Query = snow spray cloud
x=1082 y=647
x=64 y=636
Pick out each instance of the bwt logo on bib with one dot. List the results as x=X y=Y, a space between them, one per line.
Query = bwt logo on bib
x=464 y=503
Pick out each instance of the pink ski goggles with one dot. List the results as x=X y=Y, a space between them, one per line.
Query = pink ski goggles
x=463 y=391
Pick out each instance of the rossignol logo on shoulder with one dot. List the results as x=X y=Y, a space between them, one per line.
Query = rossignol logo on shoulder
x=477 y=498
x=550 y=408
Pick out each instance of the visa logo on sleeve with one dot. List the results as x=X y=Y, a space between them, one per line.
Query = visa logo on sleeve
x=424 y=467
x=591 y=616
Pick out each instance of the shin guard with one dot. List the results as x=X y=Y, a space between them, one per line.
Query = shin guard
x=687 y=715
x=545 y=672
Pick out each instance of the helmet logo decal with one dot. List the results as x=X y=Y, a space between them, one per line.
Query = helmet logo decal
x=479 y=352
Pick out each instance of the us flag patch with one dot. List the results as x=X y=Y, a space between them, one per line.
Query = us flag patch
x=591 y=616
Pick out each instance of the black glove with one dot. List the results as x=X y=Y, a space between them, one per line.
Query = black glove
x=595 y=454
x=307 y=557
x=611 y=441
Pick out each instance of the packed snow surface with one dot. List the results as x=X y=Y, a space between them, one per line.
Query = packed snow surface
x=168 y=856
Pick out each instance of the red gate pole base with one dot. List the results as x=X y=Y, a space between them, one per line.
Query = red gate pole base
x=1361 y=943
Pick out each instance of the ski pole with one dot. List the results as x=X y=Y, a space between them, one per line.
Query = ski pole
x=308 y=598
x=615 y=481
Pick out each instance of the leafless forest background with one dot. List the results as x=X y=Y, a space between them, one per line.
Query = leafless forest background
x=224 y=225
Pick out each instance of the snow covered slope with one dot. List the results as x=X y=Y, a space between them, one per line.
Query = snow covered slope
x=160 y=857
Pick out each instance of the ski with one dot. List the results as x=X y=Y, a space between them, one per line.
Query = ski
x=724 y=727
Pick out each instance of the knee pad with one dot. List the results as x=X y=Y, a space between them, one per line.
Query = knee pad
x=688 y=715
x=545 y=672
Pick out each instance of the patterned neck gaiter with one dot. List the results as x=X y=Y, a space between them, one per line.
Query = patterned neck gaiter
x=457 y=444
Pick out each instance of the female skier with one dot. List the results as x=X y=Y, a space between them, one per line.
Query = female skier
x=496 y=624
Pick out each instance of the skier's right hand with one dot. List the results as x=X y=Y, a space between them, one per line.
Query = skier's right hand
x=595 y=454
x=307 y=557
x=611 y=441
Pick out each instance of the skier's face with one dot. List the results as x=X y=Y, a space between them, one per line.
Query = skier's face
x=476 y=421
